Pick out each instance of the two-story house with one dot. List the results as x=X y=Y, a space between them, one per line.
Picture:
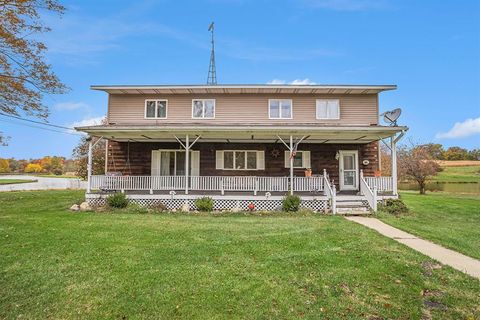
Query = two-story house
x=242 y=144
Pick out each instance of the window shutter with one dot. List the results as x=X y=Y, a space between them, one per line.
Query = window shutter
x=155 y=163
x=287 y=159
x=261 y=160
x=306 y=159
x=195 y=163
x=219 y=160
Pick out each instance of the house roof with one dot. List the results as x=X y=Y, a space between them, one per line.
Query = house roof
x=244 y=88
x=243 y=133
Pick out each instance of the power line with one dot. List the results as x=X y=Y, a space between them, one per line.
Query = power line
x=39 y=122
x=41 y=128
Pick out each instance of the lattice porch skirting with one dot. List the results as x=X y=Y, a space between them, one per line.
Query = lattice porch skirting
x=220 y=203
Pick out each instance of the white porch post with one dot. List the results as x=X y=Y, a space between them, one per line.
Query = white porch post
x=187 y=157
x=393 y=148
x=291 y=164
x=89 y=165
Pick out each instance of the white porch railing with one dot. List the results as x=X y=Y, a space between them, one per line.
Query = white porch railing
x=330 y=192
x=370 y=194
x=314 y=183
x=207 y=183
x=381 y=183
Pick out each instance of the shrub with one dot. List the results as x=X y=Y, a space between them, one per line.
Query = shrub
x=204 y=204
x=291 y=203
x=117 y=200
x=395 y=207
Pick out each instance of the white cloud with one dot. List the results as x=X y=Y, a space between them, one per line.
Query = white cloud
x=87 y=122
x=305 y=81
x=463 y=129
x=276 y=81
x=71 y=106
x=348 y=5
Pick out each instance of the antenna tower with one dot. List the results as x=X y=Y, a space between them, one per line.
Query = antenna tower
x=212 y=72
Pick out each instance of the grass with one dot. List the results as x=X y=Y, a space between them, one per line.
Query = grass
x=449 y=219
x=57 y=176
x=15 y=181
x=59 y=264
x=459 y=174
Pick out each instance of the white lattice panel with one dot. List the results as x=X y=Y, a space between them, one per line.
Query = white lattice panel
x=219 y=204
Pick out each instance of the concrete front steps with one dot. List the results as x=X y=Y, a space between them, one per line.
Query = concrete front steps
x=352 y=206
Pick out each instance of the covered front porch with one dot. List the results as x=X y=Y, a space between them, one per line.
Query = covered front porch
x=252 y=164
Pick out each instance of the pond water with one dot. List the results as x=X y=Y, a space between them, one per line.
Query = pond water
x=468 y=187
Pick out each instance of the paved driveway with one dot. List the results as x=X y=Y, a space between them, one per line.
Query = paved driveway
x=43 y=183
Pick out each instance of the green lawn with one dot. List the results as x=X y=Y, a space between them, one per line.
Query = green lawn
x=15 y=181
x=59 y=264
x=459 y=174
x=452 y=220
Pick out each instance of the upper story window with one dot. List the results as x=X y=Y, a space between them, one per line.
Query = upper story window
x=156 y=109
x=328 y=109
x=203 y=108
x=280 y=109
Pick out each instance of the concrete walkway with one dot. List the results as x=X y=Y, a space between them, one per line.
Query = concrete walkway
x=449 y=257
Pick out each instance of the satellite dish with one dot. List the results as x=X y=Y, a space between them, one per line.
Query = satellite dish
x=392 y=116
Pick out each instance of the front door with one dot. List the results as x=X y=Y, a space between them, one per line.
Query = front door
x=348 y=170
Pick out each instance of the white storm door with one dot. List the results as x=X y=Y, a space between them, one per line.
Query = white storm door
x=348 y=170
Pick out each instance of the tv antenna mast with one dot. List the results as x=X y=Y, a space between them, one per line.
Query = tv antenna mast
x=212 y=72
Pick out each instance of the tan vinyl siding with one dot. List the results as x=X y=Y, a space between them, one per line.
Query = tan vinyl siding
x=355 y=109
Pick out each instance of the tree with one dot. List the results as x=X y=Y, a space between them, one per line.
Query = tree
x=434 y=150
x=456 y=153
x=25 y=77
x=386 y=161
x=33 y=168
x=80 y=155
x=474 y=154
x=4 y=165
x=416 y=163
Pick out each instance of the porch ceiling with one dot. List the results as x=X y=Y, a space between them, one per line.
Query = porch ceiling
x=253 y=134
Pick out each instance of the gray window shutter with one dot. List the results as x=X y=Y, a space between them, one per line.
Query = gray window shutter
x=219 y=160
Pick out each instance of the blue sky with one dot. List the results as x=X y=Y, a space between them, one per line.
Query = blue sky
x=430 y=49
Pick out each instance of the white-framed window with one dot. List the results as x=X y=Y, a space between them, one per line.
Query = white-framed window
x=240 y=160
x=166 y=162
x=156 y=109
x=203 y=108
x=280 y=109
x=301 y=159
x=328 y=109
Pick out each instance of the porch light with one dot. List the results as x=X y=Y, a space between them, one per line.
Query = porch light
x=337 y=155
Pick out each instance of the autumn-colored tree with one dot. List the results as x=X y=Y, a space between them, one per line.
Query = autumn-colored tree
x=456 y=153
x=4 y=165
x=33 y=168
x=25 y=77
x=80 y=155
x=385 y=161
x=416 y=163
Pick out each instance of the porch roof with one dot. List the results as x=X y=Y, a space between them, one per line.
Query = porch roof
x=243 y=133
x=244 y=88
